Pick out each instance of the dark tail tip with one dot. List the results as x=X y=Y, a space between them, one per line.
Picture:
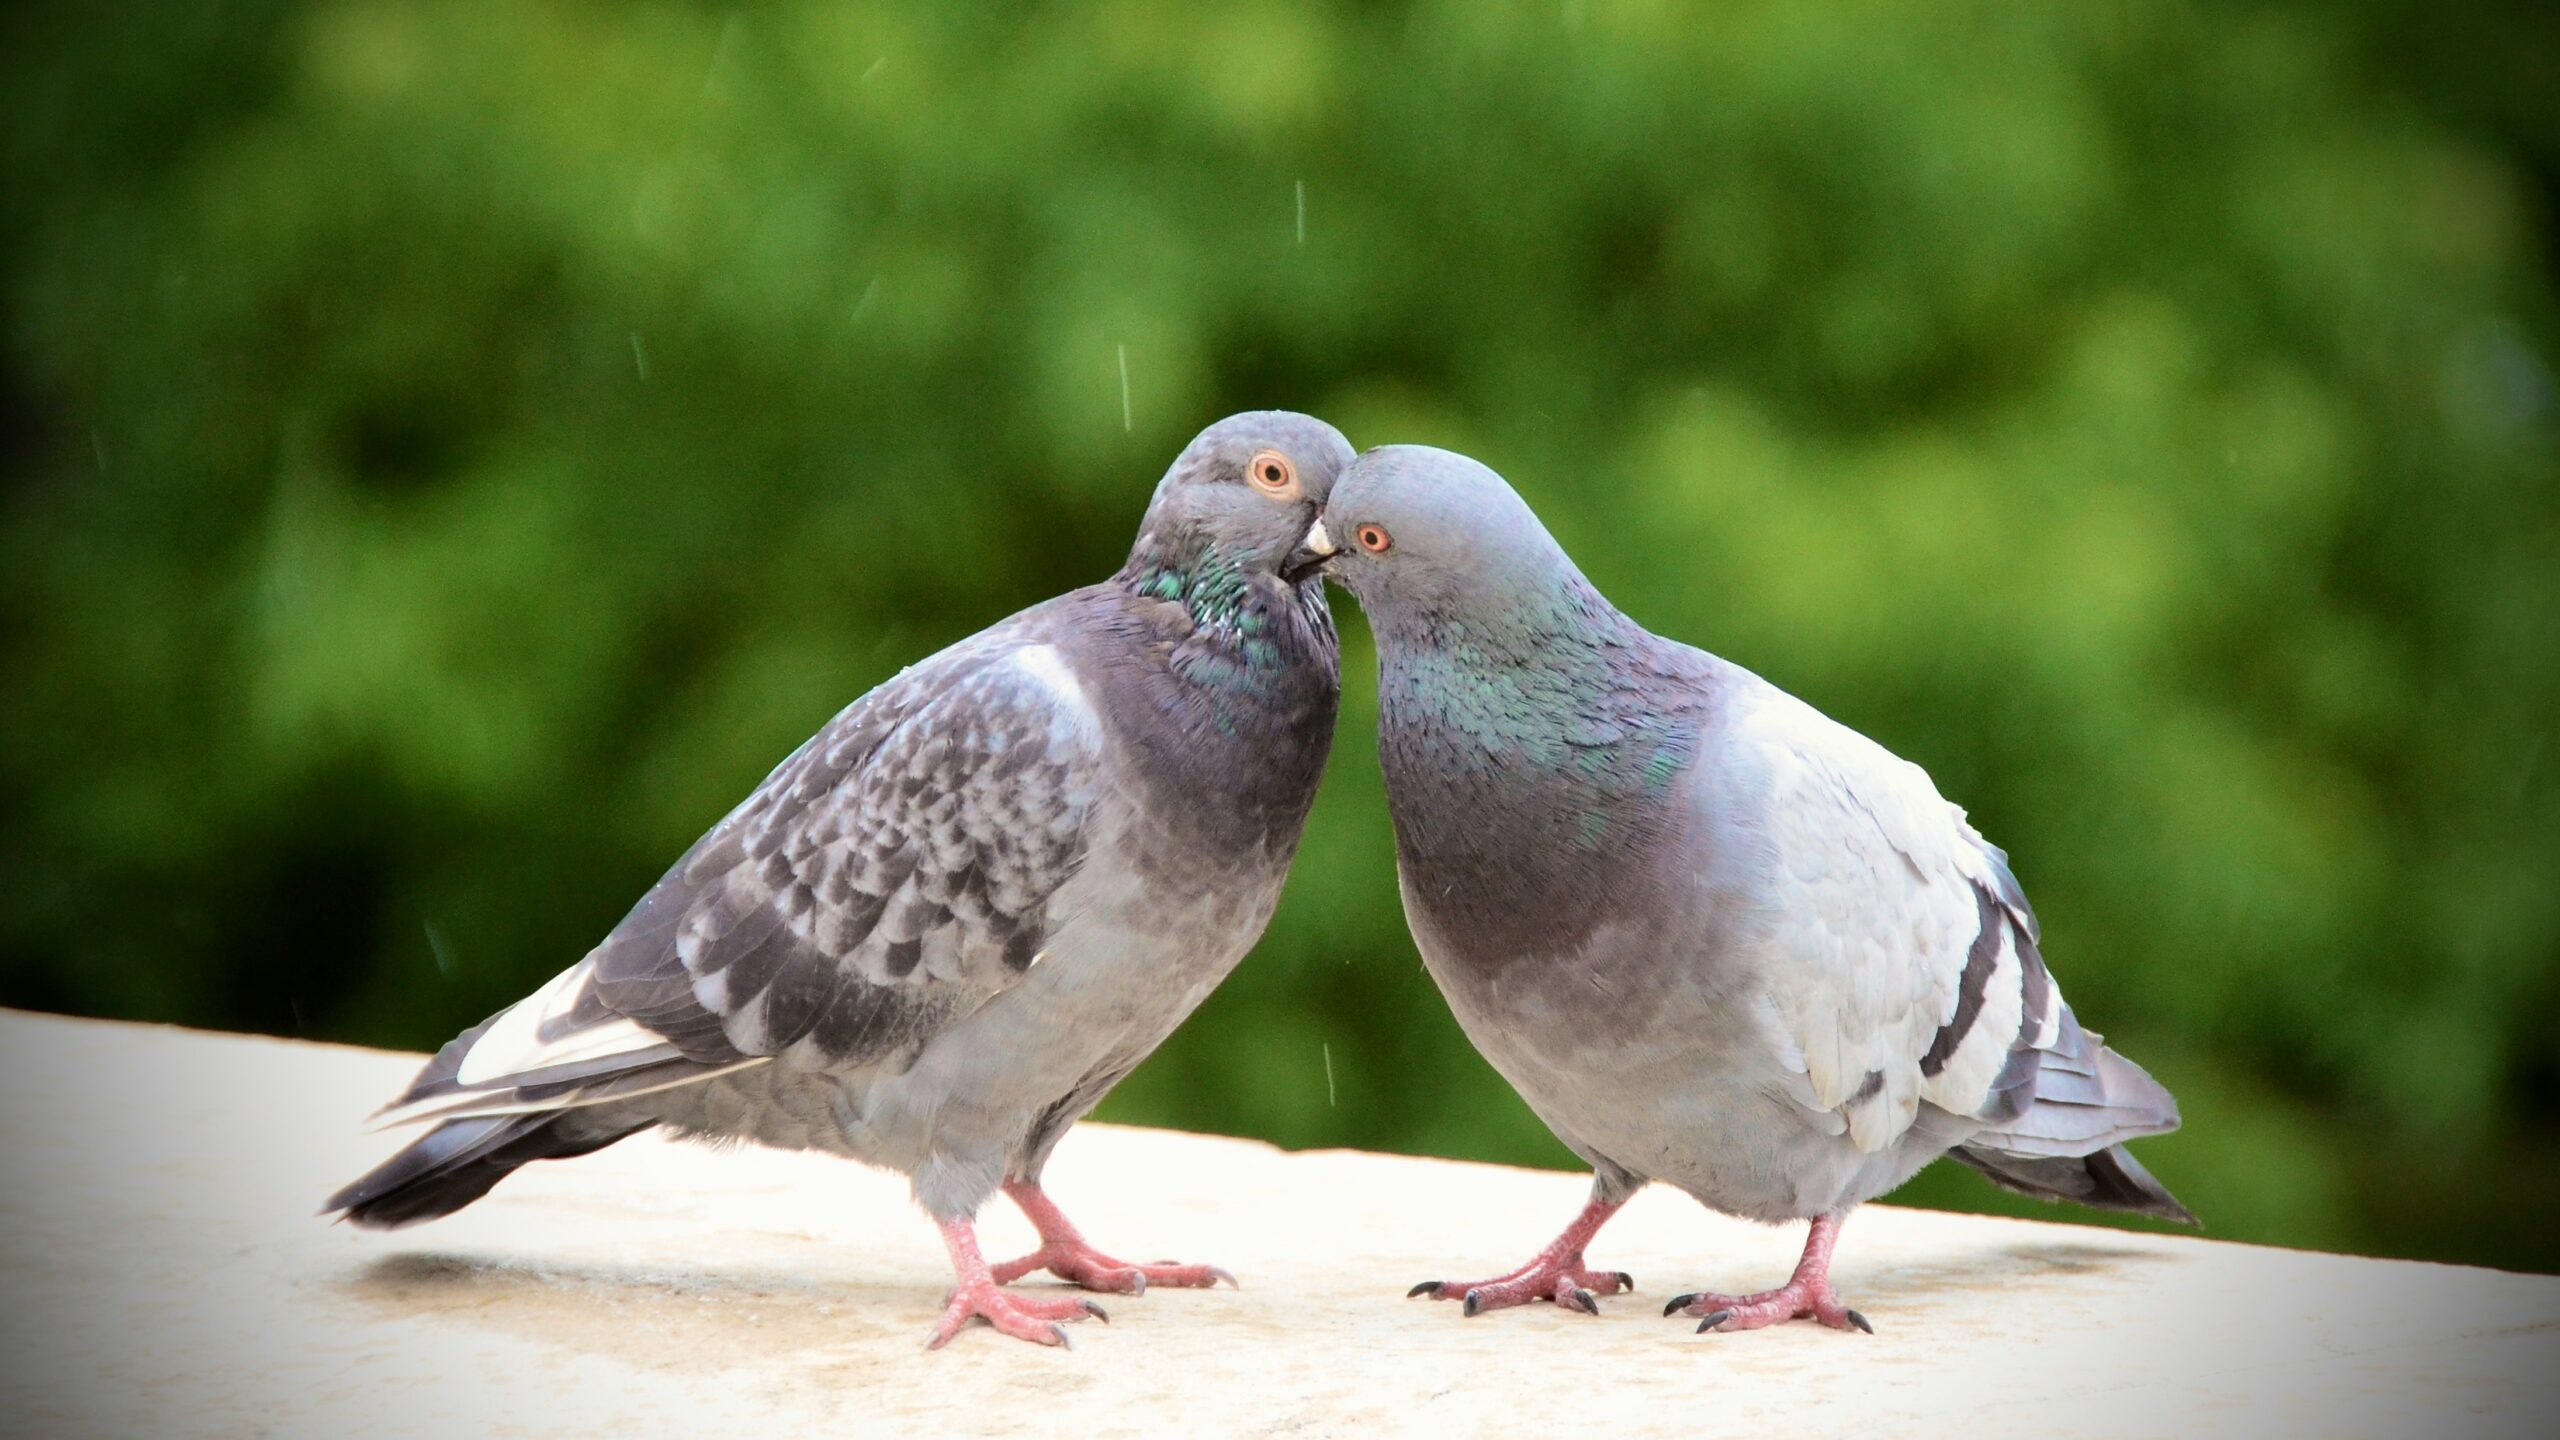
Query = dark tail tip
x=2108 y=1179
x=458 y=1162
x=2123 y=1184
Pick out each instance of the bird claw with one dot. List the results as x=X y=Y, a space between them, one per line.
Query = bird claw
x=1567 y=1284
x=1024 y=1317
x=1800 y=1299
x=1081 y=1265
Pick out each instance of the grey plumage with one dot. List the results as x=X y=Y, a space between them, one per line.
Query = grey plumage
x=938 y=932
x=1713 y=937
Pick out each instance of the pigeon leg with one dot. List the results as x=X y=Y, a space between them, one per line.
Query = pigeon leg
x=1555 y=1273
x=1806 y=1295
x=1064 y=1253
x=979 y=1297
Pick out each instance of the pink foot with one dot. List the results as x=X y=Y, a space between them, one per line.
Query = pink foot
x=1565 y=1282
x=1555 y=1273
x=1064 y=1253
x=977 y=1296
x=1807 y=1295
x=1795 y=1300
x=1020 y=1316
x=1080 y=1264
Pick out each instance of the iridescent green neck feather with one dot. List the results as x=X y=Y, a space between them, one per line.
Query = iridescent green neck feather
x=1252 y=644
x=1551 y=686
x=1552 y=722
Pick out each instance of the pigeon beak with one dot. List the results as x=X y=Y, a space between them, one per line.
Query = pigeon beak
x=1310 y=555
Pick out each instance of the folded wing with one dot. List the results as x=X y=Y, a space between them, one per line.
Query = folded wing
x=891 y=876
x=1910 y=969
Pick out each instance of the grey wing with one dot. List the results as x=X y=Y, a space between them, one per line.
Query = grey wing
x=1905 y=968
x=891 y=876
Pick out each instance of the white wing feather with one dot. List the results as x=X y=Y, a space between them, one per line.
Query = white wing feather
x=1879 y=906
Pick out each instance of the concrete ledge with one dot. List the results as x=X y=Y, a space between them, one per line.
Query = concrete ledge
x=165 y=1277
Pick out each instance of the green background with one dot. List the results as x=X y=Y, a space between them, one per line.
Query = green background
x=449 y=451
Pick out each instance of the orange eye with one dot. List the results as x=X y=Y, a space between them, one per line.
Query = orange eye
x=1374 y=539
x=1271 y=472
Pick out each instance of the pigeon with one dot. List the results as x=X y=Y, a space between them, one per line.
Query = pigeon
x=1713 y=937
x=946 y=926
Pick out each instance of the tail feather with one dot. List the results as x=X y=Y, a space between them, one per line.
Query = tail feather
x=545 y=1092
x=458 y=1161
x=2109 y=1179
x=554 y=1050
x=549 y=1077
x=2087 y=1097
x=2068 y=1144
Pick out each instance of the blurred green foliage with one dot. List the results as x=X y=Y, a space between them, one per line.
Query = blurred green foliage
x=453 y=449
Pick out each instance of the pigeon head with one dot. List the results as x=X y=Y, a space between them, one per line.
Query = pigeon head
x=1242 y=494
x=1416 y=534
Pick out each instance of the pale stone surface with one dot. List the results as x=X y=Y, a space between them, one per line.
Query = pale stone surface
x=165 y=1277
